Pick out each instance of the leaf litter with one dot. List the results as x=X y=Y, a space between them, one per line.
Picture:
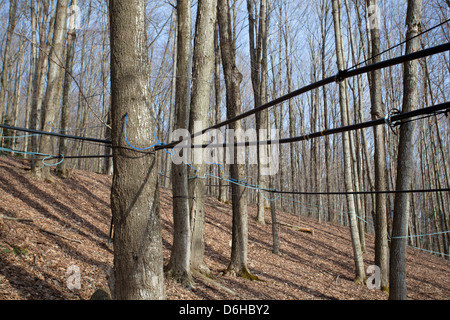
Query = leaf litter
x=48 y=227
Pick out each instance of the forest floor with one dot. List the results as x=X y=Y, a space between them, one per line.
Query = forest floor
x=47 y=228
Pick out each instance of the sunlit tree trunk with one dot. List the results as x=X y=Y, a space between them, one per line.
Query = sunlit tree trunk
x=222 y=196
x=397 y=276
x=233 y=79
x=381 y=241
x=203 y=64
x=65 y=112
x=138 y=255
x=40 y=74
x=180 y=258
x=258 y=59
x=6 y=57
x=343 y=100
x=51 y=102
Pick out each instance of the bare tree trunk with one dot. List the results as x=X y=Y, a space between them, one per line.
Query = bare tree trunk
x=357 y=252
x=354 y=138
x=32 y=73
x=40 y=74
x=323 y=32
x=233 y=78
x=203 y=63
x=218 y=101
x=167 y=180
x=381 y=241
x=53 y=91
x=397 y=270
x=65 y=112
x=276 y=242
x=5 y=70
x=15 y=96
x=365 y=149
x=292 y=122
x=17 y=90
x=258 y=57
x=180 y=258
x=107 y=162
x=445 y=174
x=138 y=256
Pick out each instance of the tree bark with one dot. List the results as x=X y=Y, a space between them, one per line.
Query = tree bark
x=292 y=119
x=138 y=256
x=168 y=178
x=52 y=95
x=5 y=70
x=357 y=252
x=180 y=258
x=323 y=32
x=381 y=241
x=273 y=213
x=222 y=196
x=32 y=72
x=203 y=63
x=258 y=60
x=107 y=162
x=397 y=277
x=354 y=137
x=40 y=74
x=65 y=112
x=233 y=79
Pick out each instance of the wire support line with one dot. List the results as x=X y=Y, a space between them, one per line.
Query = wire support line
x=394 y=120
x=421 y=235
x=430 y=251
x=359 y=192
x=18 y=137
x=411 y=236
x=38 y=156
x=71 y=129
x=340 y=76
x=83 y=157
x=55 y=134
x=44 y=160
x=67 y=136
x=399 y=44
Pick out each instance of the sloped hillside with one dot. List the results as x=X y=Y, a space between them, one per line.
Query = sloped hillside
x=48 y=231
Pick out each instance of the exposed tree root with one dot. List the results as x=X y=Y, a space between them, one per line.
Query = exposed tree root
x=260 y=222
x=182 y=277
x=244 y=273
x=208 y=279
x=202 y=268
x=359 y=280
